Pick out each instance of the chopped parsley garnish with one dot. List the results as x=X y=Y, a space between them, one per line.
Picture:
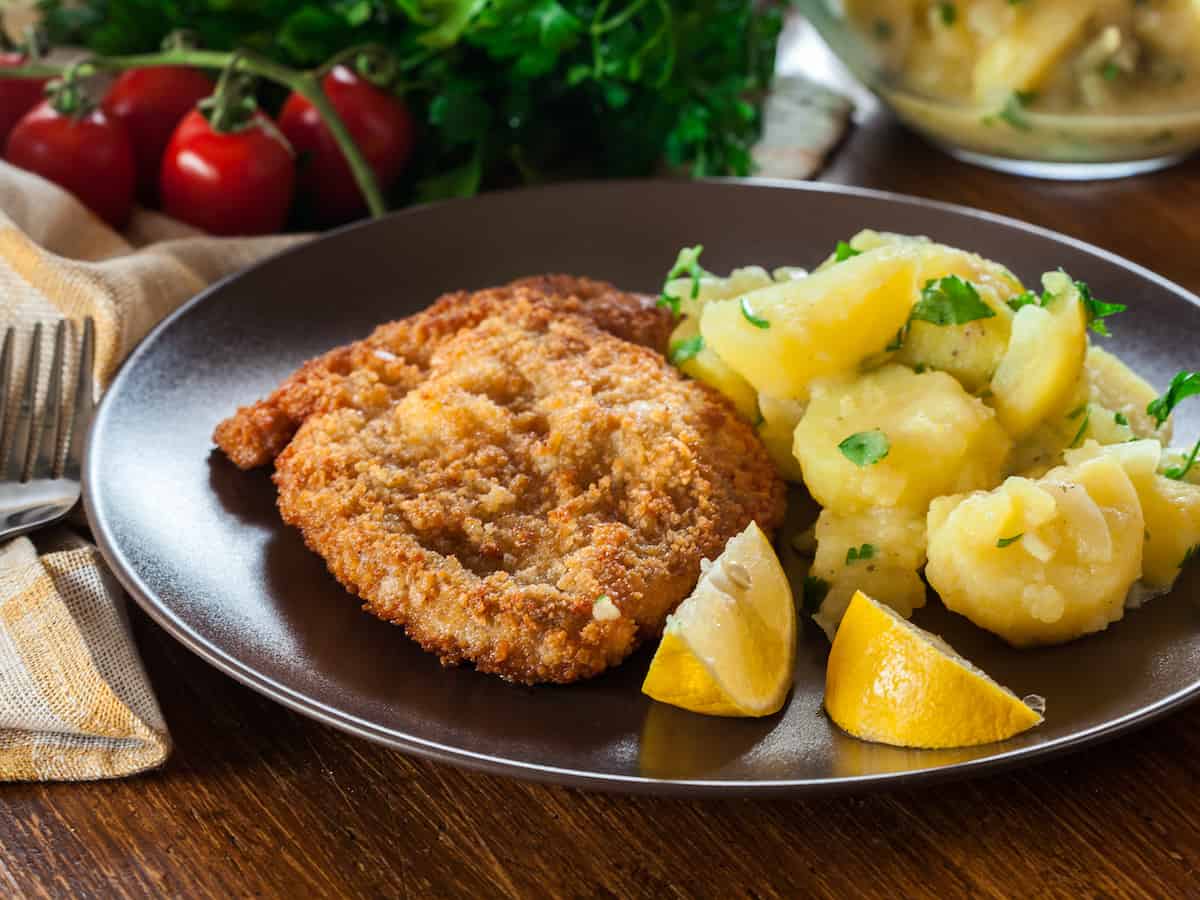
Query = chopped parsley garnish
x=1184 y=384
x=686 y=263
x=815 y=591
x=1120 y=419
x=749 y=316
x=1190 y=555
x=950 y=301
x=1029 y=298
x=1110 y=71
x=1083 y=427
x=896 y=343
x=865 y=448
x=1013 y=111
x=1097 y=310
x=1008 y=541
x=682 y=351
x=1178 y=472
x=844 y=251
x=948 y=12
x=854 y=554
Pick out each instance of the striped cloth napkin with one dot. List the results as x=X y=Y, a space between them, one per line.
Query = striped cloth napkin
x=75 y=703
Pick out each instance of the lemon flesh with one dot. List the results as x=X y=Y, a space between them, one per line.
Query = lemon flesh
x=730 y=648
x=890 y=682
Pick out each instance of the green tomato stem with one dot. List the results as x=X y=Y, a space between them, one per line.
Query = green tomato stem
x=304 y=83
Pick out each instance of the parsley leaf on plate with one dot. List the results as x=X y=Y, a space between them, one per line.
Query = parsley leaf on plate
x=749 y=315
x=682 y=351
x=950 y=301
x=854 y=554
x=865 y=448
x=844 y=251
x=1097 y=310
x=1184 y=384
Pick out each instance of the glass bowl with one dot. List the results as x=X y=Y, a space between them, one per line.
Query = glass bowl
x=1068 y=89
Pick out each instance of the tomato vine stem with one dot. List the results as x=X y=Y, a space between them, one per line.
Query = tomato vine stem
x=303 y=82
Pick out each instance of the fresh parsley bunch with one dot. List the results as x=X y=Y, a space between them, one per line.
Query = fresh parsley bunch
x=509 y=91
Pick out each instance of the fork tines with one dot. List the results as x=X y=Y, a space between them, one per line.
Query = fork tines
x=47 y=443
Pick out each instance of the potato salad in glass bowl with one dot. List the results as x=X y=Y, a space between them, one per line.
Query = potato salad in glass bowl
x=1055 y=88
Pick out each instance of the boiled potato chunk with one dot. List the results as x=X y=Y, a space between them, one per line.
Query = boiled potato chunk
x=972 y=351
x=713 y=287
x=1040 y=562
x=1114 y=385
x=1040 y=370
x=709 y=368
x=891 y=544
x=1171 y=509
x=776 y=428
x=822 y=325
x=941 y=440
x=1020 y=58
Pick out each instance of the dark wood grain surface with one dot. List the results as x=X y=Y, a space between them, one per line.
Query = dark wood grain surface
x=258 y=801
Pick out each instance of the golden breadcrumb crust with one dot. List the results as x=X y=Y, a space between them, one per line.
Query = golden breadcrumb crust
x=487 y=487
x=372 y=373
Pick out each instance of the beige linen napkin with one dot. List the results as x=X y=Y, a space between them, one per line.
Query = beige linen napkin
x=74 y=700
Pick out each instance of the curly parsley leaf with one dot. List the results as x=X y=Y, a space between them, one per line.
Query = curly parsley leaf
x=865 y=448
x=844 y=251
x=1177 y=473
x=1184 y=384
x=687 y=263
x=749 y=315
x=1083 y=427
x=682 y=351
x=1028 y=298
x=854 y=554
x=1009 y=541
x=1097 y=310
x=950 y=301
x=1120 y=419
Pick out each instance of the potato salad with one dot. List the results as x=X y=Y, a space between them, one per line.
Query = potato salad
x=1057 y=80
x=1047 y=55
x=958 y=429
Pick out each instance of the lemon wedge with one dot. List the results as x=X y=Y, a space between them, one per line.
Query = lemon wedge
x=730 y=648
x=891 y=682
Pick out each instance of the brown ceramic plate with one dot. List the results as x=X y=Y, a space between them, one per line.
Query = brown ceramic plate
x=200 y=546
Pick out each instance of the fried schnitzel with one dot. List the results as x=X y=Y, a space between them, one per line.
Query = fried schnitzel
x=526 y=491
x=372 y=373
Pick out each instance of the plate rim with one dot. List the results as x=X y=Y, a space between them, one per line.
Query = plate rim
x=313 y=708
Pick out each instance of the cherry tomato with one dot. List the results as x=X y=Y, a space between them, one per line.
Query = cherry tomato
x=17 y=95
x=380 y=124
x=88 y=154
x=231 y=182
x=150 y=103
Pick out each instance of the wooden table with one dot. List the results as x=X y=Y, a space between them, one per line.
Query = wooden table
x=258 y=801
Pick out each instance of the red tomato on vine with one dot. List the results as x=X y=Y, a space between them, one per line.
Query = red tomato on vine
x=80 y=149
x=380 y=125
x=150 y=103
x=228 y=180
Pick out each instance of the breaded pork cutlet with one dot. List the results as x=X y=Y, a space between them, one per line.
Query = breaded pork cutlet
x=372 y=373
x=538 y=503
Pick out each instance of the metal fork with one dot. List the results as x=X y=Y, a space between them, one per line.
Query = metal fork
x=40 y=472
